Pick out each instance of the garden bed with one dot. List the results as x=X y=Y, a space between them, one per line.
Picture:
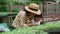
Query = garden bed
x=42 y=29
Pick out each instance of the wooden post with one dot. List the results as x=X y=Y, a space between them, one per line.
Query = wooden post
x=10 y=6
x=10 y=10
x=43 y=12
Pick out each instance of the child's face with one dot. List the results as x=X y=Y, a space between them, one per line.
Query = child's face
x=32 y=15
x=37 y=19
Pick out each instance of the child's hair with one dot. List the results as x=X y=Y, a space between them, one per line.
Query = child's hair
x=27 y=12
x=38 y=16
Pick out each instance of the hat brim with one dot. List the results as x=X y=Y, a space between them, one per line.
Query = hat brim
x=35 y=12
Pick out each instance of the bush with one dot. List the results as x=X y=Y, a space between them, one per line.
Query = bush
x=17 y=3
x=4 y=2
x=24 y=30
x=3 y=8
x=27 y=3
x=50 y=26
x=15 y=10
x=35 y=29
x=37 y=2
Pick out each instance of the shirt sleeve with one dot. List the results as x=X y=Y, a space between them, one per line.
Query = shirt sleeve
x=19 y=20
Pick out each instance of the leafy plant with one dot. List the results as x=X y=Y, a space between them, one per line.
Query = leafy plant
x=4 y=2
x=37 y=2
x=3 y=8
x=24 y=30
x=35 y=29
x=17 y=3
x=15 y=10
x=50 y=26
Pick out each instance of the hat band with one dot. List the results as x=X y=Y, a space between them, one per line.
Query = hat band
x=33 y=9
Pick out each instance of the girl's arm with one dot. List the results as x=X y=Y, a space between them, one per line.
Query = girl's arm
x=32 y=24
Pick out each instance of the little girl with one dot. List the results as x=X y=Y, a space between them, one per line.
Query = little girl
x=37 y=19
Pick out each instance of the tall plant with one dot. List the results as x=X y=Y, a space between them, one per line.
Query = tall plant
x=3 y=6
x=4 y=2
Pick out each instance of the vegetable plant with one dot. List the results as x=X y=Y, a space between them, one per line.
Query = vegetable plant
x=42 y=29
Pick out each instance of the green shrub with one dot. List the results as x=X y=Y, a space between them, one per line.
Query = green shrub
x=3 y=8
x=37 y=2
x=24 y=30
x=27 y=3
x=35 y=29
x=15 y=10
x=4 y=2
x=50 y=26
x=17 y=3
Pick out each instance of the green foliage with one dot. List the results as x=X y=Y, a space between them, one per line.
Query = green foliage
x=35 y=29
x=3 y=8
x=24 y=30
x=27 y=3
x=17 y=3
x=4 y=2
x=37 y=2
x=15 y=10
x=50 y=26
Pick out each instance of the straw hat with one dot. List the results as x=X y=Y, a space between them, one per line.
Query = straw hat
x=34 y=8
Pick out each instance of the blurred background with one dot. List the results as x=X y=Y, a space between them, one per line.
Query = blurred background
x=9 y=9
x=50 y=11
